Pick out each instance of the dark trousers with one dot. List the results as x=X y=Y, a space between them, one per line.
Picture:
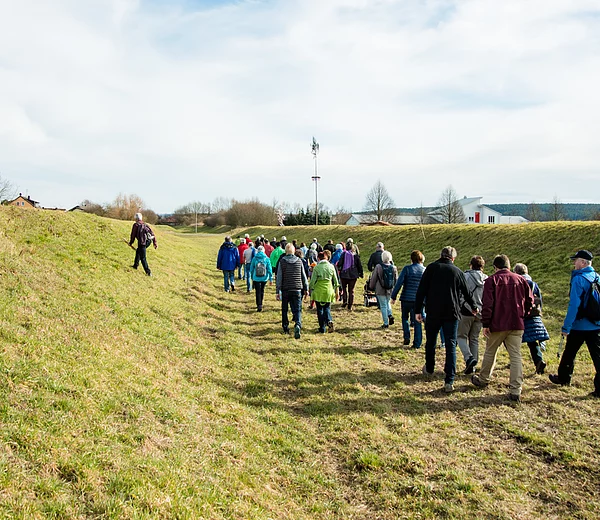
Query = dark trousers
x=536 y=352
x=574 y=341
x=292 y=299
x=259 y=289
x=348 y=291
x=450 y=329
x=408 y=321
x=323 y=315
x=140 y=256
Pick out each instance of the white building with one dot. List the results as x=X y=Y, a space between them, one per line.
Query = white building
x=477 y=213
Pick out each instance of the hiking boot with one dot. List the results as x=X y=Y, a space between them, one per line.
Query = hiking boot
x=470 y=368
x=554 y=379
x=134 y=266
x=286 y=331
x=344 y=305
x=391 y=319
x=149 y=273
x=259 y=309
x=515 y=398
x=232 y=288
x=415 y=346
x=384 y=326
x=297 y=331
x=478 y=382
x=425 y=373
x=330 y=326
x=406 y=342
x=540 y=368
x=448 y=388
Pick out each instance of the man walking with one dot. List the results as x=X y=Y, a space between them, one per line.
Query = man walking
x=507 y=299
x=375 y=258
x=291 y=285
x=227 y=260
x=144 y=235
x=580 y=325
x=440 y=288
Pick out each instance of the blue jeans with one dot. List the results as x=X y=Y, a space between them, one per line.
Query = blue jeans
x=385 y=308
x=228 y=278
x=408 y=311
x=247 y=276
x=292 y=299
x=239 y=270
x=323 y=315
x=449 y=328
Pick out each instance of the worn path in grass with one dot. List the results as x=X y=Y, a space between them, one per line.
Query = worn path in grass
x=128 y=397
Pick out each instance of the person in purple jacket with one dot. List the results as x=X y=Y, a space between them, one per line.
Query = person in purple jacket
x=145 y=237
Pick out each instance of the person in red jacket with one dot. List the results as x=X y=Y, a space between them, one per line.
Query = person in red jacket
x=241 y=248
x=507 y=299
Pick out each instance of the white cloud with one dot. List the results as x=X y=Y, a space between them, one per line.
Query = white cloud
x=176 y=102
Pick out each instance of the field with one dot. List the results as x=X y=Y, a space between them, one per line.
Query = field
x=123 y=396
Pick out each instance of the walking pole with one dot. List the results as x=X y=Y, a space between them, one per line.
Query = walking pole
x=560 y=347
x=129 y=244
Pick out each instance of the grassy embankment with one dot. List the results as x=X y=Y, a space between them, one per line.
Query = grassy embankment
x=129 y=397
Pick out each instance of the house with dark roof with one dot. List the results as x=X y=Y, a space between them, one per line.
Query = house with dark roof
x=24 y=202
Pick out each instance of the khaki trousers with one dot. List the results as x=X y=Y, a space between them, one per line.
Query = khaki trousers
x=512 y=342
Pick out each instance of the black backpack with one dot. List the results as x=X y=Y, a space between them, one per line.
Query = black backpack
x=387 y=276
x=591 y=308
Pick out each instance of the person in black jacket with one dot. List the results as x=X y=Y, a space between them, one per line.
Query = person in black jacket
x=440 y=289
x=292 y=285
x=375 y=258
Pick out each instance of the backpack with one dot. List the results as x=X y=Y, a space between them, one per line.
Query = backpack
x=591 y=308
x=387 y=276
x=260 y=270
x=147 y=234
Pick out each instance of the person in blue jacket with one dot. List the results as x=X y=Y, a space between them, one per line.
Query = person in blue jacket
x=577 y=328
x=408 y=281
x=227 y=261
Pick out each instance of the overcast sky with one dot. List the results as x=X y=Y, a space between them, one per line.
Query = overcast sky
x=187 y=100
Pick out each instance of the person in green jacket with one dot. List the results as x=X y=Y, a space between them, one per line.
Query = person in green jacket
x=275 y=255
x=324 y=288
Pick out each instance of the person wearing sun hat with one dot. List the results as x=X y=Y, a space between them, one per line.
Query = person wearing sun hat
x=578 y=328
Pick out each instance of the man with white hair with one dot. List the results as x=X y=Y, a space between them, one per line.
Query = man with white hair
x=440 y=290
x=375 y=258
x=144 y=235
x=581 y=322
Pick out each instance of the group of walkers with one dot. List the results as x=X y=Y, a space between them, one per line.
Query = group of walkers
x=449 y=303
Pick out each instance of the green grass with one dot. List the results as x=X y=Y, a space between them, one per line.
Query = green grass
x=128 y=397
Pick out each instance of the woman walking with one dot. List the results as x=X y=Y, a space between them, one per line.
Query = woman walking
x=260 y=271
x=350 y=270
x=324 y=289
x=382 y=282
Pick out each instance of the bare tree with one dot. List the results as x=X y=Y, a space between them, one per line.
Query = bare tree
x=93 y=207
x=449 y=209
x=341 y=215
x=379 y=202
x=556 y=211
x=533 y=213
x=7 y=190
x=422 y=216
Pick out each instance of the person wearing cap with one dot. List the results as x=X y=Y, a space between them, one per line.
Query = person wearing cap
x=227 y=260
x=507 y=299
x=375 y=258
x=329 y=246
x=440 y=289
x=144 y=235
x=576 y=328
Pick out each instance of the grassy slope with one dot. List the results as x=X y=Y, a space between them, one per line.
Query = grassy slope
x=123 y=396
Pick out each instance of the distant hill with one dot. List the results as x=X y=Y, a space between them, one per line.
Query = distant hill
x=572 y=211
